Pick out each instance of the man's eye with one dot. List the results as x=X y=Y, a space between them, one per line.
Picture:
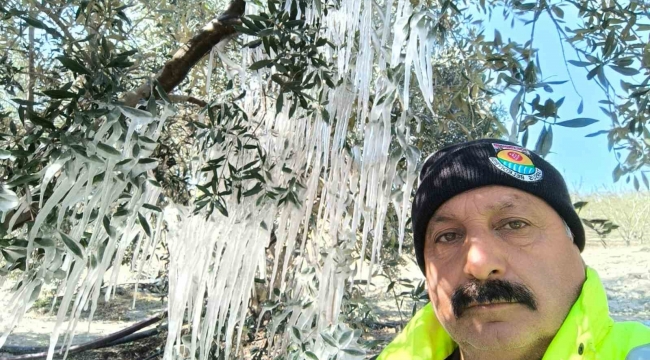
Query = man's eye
x=447 y=237
x=514 y=225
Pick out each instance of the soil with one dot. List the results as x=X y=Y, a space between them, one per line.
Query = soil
x=625 y=272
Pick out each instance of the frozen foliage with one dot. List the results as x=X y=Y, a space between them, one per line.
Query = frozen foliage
x=220 y=257
x=342 y=196
x=354 y=188
x=117 y=163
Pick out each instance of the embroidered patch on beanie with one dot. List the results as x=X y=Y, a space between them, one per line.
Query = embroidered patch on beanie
x=515 y=161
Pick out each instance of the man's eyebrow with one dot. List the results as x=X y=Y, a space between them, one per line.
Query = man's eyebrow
x=503 y=206
x=441 y=219
x=500 y=206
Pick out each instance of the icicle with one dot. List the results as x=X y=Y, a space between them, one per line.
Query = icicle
x=364 y=62
x=49 y=173
x=292 y=234
x=53 y=201
x=412 y=158
x=148 y=250
x=73 y=196
x=281 y=237
x=400 y=30
x=21 y=209
x=208 y=77
x=232 y=68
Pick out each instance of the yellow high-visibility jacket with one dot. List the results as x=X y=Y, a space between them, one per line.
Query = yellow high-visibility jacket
x=588 y=332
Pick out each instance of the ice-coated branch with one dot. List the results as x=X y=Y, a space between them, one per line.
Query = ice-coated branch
x=176 y=69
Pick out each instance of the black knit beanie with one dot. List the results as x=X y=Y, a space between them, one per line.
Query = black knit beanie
x=462 y=167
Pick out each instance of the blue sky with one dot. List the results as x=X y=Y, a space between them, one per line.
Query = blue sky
x=586 y=163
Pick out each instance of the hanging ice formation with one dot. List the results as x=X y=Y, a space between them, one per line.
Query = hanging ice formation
x=83 y=268
x=214 y=261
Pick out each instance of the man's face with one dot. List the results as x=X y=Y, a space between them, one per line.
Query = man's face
x=502 y=271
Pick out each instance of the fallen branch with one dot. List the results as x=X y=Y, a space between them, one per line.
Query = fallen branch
x=176 y=69
x=97 y=343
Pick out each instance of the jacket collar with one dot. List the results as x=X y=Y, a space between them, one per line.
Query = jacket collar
x=586 y=325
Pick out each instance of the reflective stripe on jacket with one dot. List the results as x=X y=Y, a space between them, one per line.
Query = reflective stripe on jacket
x=588 y=332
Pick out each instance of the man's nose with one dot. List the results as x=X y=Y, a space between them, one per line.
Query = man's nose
x=485 y=259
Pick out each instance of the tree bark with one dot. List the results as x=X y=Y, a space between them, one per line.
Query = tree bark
x=187 y=99
x=176 y=69
x=28 y=215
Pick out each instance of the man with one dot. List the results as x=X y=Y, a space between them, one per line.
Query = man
x=499 y=242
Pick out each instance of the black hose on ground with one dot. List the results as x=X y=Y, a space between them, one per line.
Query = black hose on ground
x=19 y=350
x=116 y=338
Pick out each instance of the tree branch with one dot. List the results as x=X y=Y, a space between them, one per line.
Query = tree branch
x=57 y=20
x=188 y=99
x=27 y=215
x=176 y=69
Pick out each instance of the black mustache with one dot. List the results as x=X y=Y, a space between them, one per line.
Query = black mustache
x=489 y=291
